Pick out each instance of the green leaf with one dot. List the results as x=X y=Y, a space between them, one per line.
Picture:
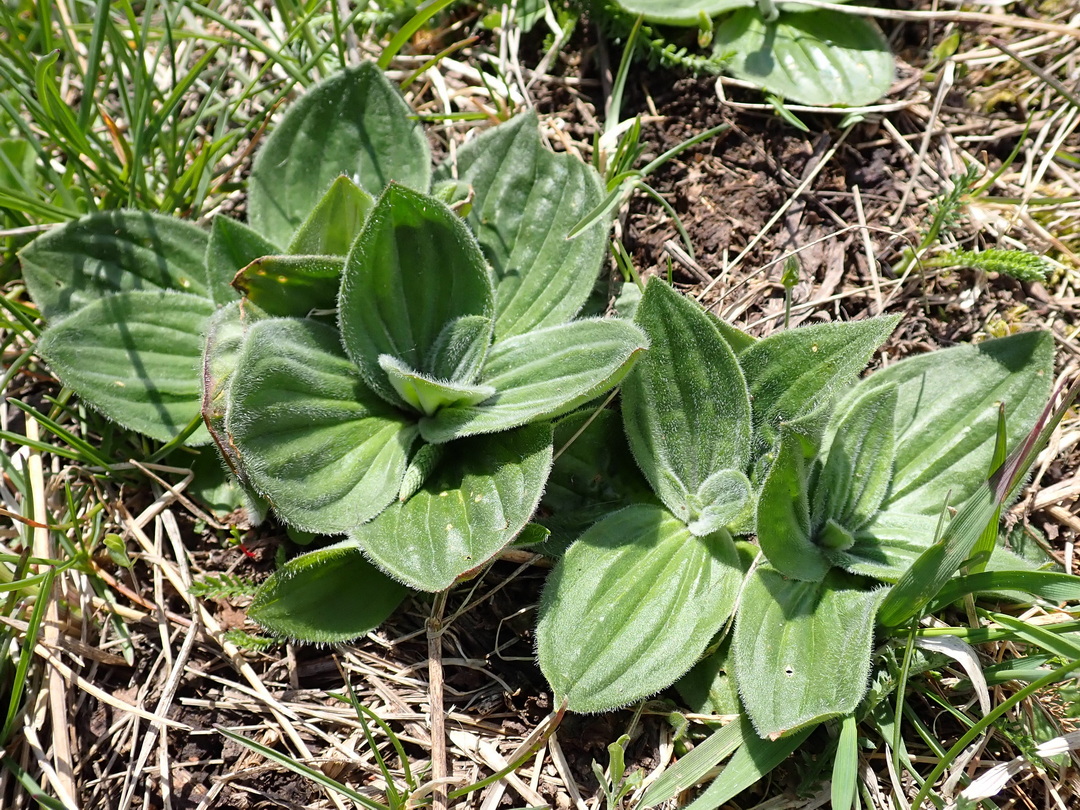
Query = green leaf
x=693 y=767
x=1049 y=585
x=335 y=222
x=855 y=478
x=526 y=200
x=232 y=246
x=461 y=348
x=476 y=501
x=681 y=12
x=631 y=607
x=541 y=375
x=685 y=405
x=946 y=414
x=135 y=356
x=325 y=451
x=414 y=269
x=725 y=500
x=425 y=394
x=736 y=338
x=801 y=371
x=354 y=123
x=708 y=687
x=291 y=286
x=107 y=252
x=326 y=596
x=819 y=57
x=802 y=649
x=783 y=516
x=845 y=772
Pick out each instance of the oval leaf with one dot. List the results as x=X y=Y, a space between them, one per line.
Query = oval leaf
x=325 y=451
x=685 y=405
x=335 y=222
x=632 y=606
x=326 y=596
x=476 y=501
x=414 y=269
x=354 y=123
x=135 y=357
x=107 y=252
x=291 y=286
x=541 y=375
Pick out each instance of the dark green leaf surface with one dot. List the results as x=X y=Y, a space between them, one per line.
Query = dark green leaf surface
x=631 y=607
x=685 y=405
x=335 y=222
x=801 y=649
x=681 y=12
x=414 y=269
x=354 y=123
x=291 y=286
x=326 y=596
x=819 y=57
x=324 y=450
x=541 y=375
x=135 y=357
x=525 y=201
x=78 y=262
x=476 y=501
x=232 y=246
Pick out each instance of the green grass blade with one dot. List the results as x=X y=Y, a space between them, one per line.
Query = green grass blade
x=87 y=452
x=1042 y=637
x=845 y=773
x=404 y=34
x=691 y=769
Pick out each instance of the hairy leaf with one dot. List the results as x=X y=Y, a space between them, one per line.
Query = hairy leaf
x=480 y=496
x=631 y=607
x=685 y=405
x=425 y=394
x=354 y=123
x=541 y=375
x=291 y=285
x=135 y=357
x=335 y=222
x=107 y=252
x=324 y=450
x=461 y=348
x=326 y=596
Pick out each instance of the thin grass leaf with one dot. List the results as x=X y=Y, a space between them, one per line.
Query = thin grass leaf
x=845 y=772
x=88 y=454
x=693 y=767
x=26 y=655
x=1042 y=637
x=405 y=33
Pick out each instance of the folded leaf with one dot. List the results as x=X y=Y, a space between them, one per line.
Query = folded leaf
x=414 y=269
x=291 y=286
x=326 y=596
x=354 y=123
x=324 y=450
x=232 y=246
x=541 y=375
x=526 y=200
x=802 y=649
x=461 y=348
x=631 y=607
x=685 y=405
x=334 y=223
x=425 y=394
x=476 y=501
x=135 y=356
x=106 y=252
x=820 y=57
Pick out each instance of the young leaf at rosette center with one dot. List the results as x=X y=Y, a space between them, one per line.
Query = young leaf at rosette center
x=414 y=269
x=819 y=57
x=325 y=451
x=425 y=394
x=135 y=356
x=354 y=123
x=334 y=222
x=326 y=596
x=631 y=607
x=783 y=513
x=291 y=286
x=799 y=371
x=724 y=501
x=461 y=348
x=232 y=245
x=526 y=200
x=685 y=405
x=541 y=375
x=946 y=414
x=861 y=445
x=480 y=496
x=108 y=252
x=802 y=649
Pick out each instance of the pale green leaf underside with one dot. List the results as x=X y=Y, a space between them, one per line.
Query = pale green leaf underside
x=685 y=404
x=135 y=357
x=631 y=606
x=113 y=251
x=325 y=451
x=541 y=375
x=801 y=649
x=326 y=596
x=425 y=394
x=480 y=496
x=354 y=123
x=819 y=57
x=525 y=201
